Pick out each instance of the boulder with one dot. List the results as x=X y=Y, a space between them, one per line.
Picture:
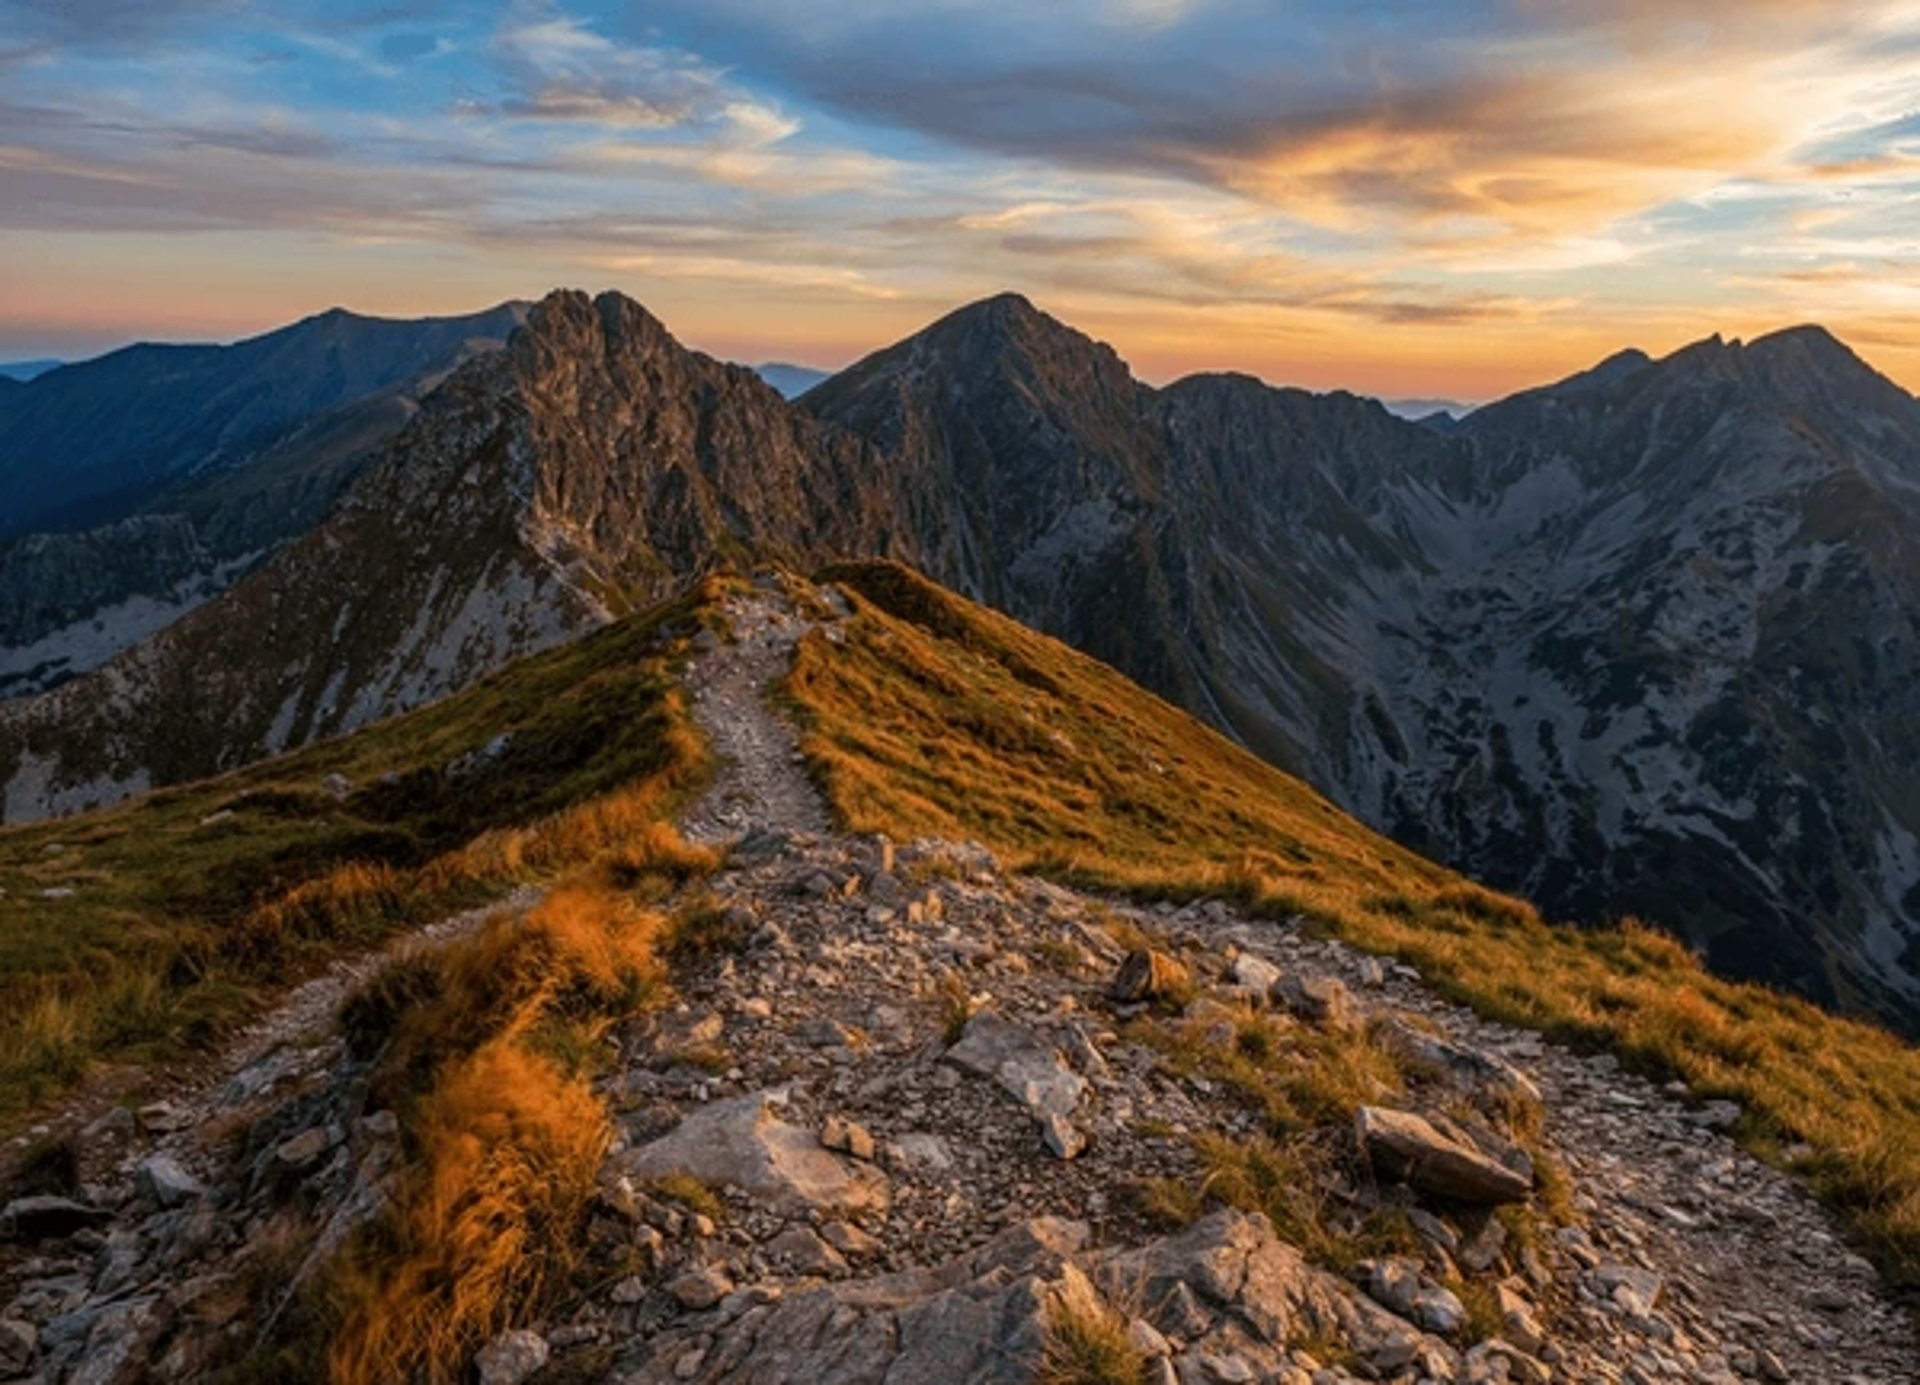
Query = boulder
x=1256 y=973
x=1408 y=1147
x=700 y=1288
x=1322 y=1000
x=1027 y=1066
x=740 y=1142
x=979 y=1319
x=1149 y=975
x=43 y=1217
x=1470 y=1068
x=160 y=1179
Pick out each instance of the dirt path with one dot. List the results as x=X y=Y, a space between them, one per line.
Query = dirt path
x=762 y=782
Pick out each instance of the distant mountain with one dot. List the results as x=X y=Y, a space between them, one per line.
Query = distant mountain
x=23 y=371
x=1420 y=410
x=95 y=442
x=540 y=491
x=237 y=449
x=791 y=380
x=1646 y=641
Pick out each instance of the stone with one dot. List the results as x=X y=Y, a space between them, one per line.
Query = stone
x=1321 y=1000
x=19 y=1344
x=160 y=1179
x=921 y=1152
x=1063 y=1139
x=700 y=1288
x=804 y=1252
x=1716 y=1115
x=41 y=1216
x=1256 y=973
x=1147 y=974
x=1464 y=1066
x=1405 y=1146
x=1146 y=1339
x=511 y=1358
x=1634 y=1290
x=1517 y=1320
x=1025 y=1065
x=1439 y=1310
x=629 y=1290
x=740 y=1142
x=847 y=1137
x=304 y=1150
x=849 y=1239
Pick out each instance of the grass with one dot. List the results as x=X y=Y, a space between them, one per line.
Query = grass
x=174 y=916
x=931 y=716
x=503 y=1136
x=1086 y=1342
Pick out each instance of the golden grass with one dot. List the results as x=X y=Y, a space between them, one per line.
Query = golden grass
x=191 y=907
x=931 y=716
x=1086 y=1342
x=503 y=1139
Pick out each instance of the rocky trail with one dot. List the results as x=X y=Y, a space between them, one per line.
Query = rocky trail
x=933 y=1101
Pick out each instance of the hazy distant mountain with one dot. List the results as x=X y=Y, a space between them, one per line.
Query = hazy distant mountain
x=791 y=380
x=94 y=442
x=1644 y=641
x=23 y=371
x=1420 y=410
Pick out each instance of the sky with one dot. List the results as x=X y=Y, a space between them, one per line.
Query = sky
x=1406 y=198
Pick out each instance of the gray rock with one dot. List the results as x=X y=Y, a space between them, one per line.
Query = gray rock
x=1405 y=1146
x=740 y=1142
x=160 y=1179
x=303 y=1151
x=1322 y=1000
x=511 y=1357
x=1256 y=973
x=42 y=1216
x=1028 y=1067
x=1063 y=1139
x=1458 y=1063
x=804 y=1252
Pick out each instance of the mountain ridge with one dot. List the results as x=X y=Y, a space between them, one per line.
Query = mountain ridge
x=1469 y=638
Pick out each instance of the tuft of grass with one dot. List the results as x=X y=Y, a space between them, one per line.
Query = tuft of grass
x=689 y=1192
x=1086 y=1342
x=482 y=1046
x=930 y=716
x=954 y=1003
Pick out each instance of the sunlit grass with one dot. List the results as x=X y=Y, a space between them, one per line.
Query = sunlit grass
x=932 y=716
x=187 y=909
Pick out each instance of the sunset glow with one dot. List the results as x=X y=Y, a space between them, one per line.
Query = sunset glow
x=1403 y=198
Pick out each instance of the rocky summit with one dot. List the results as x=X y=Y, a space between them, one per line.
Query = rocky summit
x=1636 y=644
x=907 y=1115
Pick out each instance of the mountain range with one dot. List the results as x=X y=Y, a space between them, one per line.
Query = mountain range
x=142 y=482
x=1644 y=641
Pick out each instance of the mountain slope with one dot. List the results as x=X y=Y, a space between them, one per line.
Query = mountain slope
x=540 y=490
x=1568 y=645
x=252 y=444
x=927 y=715
x=1638 y=642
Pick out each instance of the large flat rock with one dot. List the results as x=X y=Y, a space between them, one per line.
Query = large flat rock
x=742 y=1143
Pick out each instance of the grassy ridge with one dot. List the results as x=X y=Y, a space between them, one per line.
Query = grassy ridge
x=928 y=715
x=149 y=929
